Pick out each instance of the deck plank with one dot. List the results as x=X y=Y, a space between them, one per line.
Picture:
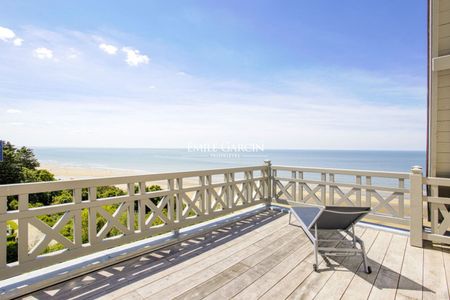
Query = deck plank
x=446 y=254
x=136 y=268
x=223 y=278
x=309 y=288
x=262 y=257
x=342 y=276
x=214 y=283
x=179 y=263
x=411 y=277
x=385 y=285
x=226 y=275
x=210 y=271
x=260 y=268
x=286 y=285
x=292 y=280
x=269 y=279
x=202 y=261
x=145 y=268
x=434 y=277
x=361 y=284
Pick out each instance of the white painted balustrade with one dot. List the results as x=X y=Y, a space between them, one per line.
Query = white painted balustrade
x=387 y=193
x=186 y=198
x=434 y=227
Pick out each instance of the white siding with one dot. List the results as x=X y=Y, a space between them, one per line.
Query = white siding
x=443 y=27
x=444 y=5
x=440 y=91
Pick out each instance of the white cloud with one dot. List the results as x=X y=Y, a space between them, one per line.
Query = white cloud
x=320 y=107
x=134 y=57
x=18 y=42
x=6 y=34
x=178 y=125
x=43 y=53
x=110 y=49
x=13 y=111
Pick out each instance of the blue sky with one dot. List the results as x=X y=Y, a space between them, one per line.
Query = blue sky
x=285 y=74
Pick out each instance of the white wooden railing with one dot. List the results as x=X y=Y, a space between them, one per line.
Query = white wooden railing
x=186 y=198
x=387 y=193
x=438 y=229
x=397 y=199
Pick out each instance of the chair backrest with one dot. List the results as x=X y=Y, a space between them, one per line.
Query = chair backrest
x=340 y=217
x=307 y=214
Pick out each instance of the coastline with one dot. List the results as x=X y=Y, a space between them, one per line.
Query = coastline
x=72 y=172
x=68 y=172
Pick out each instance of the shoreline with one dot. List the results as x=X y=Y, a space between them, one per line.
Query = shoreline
x=71 y=172
x=68 y=172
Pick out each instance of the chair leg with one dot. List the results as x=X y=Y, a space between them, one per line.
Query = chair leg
x=367 y=268
x=353 y=235
x=316 y=255
x=290 y=213
x=316 y=248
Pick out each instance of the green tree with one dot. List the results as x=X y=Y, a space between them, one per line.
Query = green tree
x=64 y=197
x=10 y=167
x=19 y=165
x=33 y=175
x=26 y=158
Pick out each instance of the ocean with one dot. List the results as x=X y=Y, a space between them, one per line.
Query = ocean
x=172 y=160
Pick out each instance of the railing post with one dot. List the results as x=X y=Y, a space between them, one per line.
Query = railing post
x=401 y=199
x=23 y=224
x=202 y=191
x=208 y=194
x=179 y=206
x=130 y=209
x=227 y=192
x=368 y=191
x=269 y=195
x=248 y=187
x=77 y=219
x=323 y=193
x=331 y=190
x=142 y=206
x=358 y=192
x=171 y=206
x=231 y=185
x=92 y=216
x=416 y=203
x=300 y=186
x=294 y=186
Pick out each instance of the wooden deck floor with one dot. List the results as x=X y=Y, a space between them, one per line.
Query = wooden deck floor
x=264 y=257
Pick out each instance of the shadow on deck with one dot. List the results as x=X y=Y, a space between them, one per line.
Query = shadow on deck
x=264 y=257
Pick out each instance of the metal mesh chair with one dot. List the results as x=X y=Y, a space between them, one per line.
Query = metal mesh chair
x=312 y=219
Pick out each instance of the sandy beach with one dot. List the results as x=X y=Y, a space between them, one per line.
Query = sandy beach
x=66 y=172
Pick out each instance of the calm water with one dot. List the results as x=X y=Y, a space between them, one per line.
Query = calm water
x=167 y=160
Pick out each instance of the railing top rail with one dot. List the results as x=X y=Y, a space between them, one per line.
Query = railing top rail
x=399 y=175
x=436 y=181
x=40 y=187
x=345 y=184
